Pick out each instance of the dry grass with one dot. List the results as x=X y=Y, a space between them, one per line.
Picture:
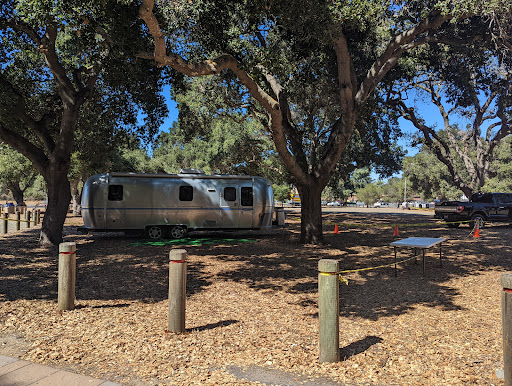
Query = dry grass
x=252 y=307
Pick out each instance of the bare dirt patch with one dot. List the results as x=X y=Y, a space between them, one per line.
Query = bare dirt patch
x=253 y=305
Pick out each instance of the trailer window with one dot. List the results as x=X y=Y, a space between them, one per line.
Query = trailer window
x=246 y=197
x=229 y=194
x=186 y=193
x=115 y=192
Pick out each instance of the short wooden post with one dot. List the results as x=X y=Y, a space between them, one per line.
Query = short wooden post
x=18 y=221
x=28 y=219
x=506 y=317
x=67 y=276
x=328 y=310
x=34 y=217
x=38 y=215
x=177 y=289
x=5 y=223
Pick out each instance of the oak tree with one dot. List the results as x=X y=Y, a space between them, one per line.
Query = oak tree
x=314 y=71
x=57 y=60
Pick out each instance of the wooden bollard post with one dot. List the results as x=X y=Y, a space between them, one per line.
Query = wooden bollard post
x=67 y=276
x=18 y=221
x=34 y=217
x=5 y=223
x=328 y=310
x=177 y=289
x=38 y=215
x=28 y=219
x=506 y=317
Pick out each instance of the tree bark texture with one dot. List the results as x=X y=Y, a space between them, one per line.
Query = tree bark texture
x=75 y=197
x=17 y=193
x=59 y=196
x=311 y=231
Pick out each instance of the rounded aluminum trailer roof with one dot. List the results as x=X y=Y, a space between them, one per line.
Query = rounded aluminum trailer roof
x=191 y=175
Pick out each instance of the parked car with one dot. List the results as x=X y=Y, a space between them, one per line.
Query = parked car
x=333 y=203
x=481 y=208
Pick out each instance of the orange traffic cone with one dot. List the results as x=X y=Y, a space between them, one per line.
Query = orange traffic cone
x=395 y=233
x=336 y=228
x=477 y=231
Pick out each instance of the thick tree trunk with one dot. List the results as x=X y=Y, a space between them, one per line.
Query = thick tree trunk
x=17 y=193
x=59 y=196
x=311 y=214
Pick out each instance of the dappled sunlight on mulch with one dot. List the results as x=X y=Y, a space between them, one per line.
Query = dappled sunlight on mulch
x=255 y=304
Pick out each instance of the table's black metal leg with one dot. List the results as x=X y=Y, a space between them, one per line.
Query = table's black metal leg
x=441 y=255
x=395 y=263
x=415 y=255
x=423 y=261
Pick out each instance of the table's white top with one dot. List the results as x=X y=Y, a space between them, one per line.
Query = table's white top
x=418 y=242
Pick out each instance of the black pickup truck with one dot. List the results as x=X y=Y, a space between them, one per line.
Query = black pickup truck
x=481 y=208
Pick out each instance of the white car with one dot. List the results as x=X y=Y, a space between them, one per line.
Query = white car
x=333 y=203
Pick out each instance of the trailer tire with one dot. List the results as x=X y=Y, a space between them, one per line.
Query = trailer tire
x=178 y=231
x=155 y=232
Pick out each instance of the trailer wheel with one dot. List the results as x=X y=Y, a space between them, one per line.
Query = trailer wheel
x=178 y=231
x=155 y=232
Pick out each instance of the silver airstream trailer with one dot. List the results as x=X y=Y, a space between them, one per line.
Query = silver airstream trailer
x=169 y=205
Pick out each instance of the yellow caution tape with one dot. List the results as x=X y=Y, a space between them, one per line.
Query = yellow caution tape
x=11 y=219
x=348 y=225
x=345 y=280
x=377 y=267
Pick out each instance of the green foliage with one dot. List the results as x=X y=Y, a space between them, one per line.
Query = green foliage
x=501 y=180
x=281 y=38
x=132 y=160
x=393 y=190
x=429 y=177
x=343 y=189
x=16 y=172
x=369 y=194
x=37 y=191
x=96 y=38
x=215 y=135
x=281 y=192
x=226 y=147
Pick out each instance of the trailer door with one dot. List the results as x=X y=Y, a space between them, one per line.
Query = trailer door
x=116 y=207
x=246 y=206
x=229 y=206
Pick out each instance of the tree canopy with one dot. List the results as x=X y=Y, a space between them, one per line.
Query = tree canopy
x=314 y=73
x=65 y=67
x=16 y=172
x=470 y=86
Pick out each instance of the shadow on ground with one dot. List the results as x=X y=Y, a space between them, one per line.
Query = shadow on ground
x=118 y=267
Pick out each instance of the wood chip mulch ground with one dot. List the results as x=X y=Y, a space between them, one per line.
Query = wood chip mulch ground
x=252 y=313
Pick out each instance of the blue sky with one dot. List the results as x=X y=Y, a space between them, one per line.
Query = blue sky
x=427 y=111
